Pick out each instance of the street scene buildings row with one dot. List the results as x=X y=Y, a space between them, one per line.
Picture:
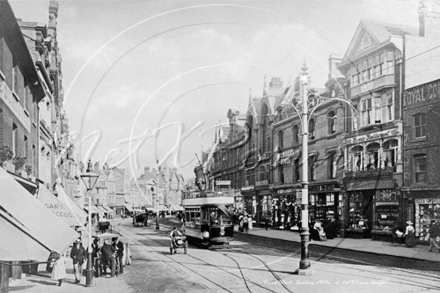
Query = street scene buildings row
x=372 y=164
x=36 y=146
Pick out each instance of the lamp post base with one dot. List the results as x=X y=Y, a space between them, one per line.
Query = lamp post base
x=89 y=277
x=305 y=272
x=304 y=264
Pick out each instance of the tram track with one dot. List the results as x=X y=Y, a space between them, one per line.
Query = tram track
x=243 y=278
x=174 y=261
x=281 y=281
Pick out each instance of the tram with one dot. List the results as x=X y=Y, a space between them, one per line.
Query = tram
x=208 y=219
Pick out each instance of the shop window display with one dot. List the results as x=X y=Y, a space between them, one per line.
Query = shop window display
x=360 y=210
x=285 y=212
x=427 y=210
x=323 y=206
x=387 y=210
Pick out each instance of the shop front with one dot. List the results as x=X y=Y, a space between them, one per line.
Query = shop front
x=249 y=200
x=423 y=208
x=238 y=201
x=286 y=208
x=264 y=203
x=371 y=206
x=325 y=202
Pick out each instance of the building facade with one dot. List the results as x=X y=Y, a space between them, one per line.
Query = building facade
x=421 y=112
x=373 y=144
x=20 y=93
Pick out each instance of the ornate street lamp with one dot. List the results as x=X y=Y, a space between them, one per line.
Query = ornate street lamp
x=89 y=178
x=305 y=105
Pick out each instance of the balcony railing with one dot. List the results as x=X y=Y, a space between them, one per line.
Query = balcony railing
x=387 y=171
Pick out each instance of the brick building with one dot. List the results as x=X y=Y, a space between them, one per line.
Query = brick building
x=421 y=112
x=373 y=143
x=20 y=93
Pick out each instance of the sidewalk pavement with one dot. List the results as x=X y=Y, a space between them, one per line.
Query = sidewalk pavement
x=43 y=282
x=419 y=252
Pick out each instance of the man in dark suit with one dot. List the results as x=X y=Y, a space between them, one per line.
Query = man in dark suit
x=119 y=246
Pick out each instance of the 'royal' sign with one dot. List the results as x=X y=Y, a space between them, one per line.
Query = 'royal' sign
x=421 y=94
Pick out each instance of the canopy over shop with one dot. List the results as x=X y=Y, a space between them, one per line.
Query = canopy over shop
x=22 y=214
x=61 y=210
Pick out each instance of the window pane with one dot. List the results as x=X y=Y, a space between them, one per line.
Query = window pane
x=421 y=164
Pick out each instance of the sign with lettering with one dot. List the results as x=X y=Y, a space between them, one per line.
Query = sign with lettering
x=326 y=187
x=247 y=188
x=426 y=200
x=15 y=106
x=424 y=93
x=261 y=183
x=287 y=190
x=223 y=182
x=371 y=136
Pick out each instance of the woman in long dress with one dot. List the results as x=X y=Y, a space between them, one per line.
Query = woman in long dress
x=59 y=269
x=410 y=239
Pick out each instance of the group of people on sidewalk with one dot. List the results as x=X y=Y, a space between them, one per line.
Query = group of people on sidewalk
x=321 y=231
x=110 y=254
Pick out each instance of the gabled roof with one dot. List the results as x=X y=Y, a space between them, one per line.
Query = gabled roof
x=371 y=35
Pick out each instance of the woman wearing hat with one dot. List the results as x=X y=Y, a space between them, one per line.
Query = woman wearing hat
x=410 y=239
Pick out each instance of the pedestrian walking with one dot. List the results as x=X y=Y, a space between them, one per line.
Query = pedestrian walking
x=59 y=268
x=434 y=232
x=266 y=222
x=78 y=255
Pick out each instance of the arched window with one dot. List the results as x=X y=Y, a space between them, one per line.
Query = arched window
x=389 y=156
x=357 y=158
x=331 y=122
x=312 y=128
x=295 y=134
x=372 y=159
x=280 y=139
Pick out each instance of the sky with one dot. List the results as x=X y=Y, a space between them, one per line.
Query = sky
x=149 y=81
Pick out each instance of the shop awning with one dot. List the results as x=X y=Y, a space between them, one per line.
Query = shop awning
x=371 y=184
x=107 y=209
x=26 y=183
x=95 y=210
x=20 y=244
x=50 y=201
x=102 y=211
x=176 y=207
x=68 y=202
x=33 y=216
x=128 y=207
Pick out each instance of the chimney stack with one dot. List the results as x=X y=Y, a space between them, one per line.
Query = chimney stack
x=333 y=61
x=276 y=83
x=429 y=19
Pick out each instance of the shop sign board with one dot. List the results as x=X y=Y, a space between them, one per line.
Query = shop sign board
x=223 y=183
x=326 y=187
x=421 y=94
x=371 y=136
x=247 y=188
x=261 y=183
x=426 y=200
x=284 y=157
x=288 y=190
